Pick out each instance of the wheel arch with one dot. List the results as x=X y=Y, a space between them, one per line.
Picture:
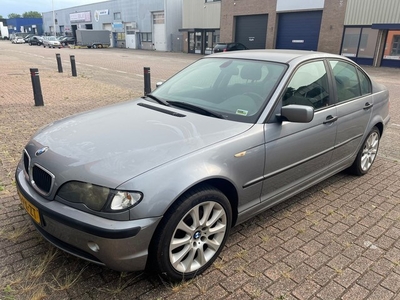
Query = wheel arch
x=223 y=185
x=379 y=125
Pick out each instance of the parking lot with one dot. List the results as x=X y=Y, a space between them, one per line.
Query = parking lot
x=337 y=240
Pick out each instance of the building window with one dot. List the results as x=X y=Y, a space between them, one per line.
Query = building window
x=158 y=18
x=117 y=16
x=350 y=42
x=121 y=36
x=396 y=45
x=368 y=42
x=359 y=42
x=213 y=1
x=146 y=36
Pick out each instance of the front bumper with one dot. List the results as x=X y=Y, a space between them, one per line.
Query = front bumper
x=119 y=245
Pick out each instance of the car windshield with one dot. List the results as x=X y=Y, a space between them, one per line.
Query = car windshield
x=52 y=38
x=236 y=89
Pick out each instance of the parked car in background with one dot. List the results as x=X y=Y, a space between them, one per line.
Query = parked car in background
x=68 y=40
x=35 y=40
x=159 y=181
x=223 y=47
x=27 y=37
x=51 y=42
x=18 y=40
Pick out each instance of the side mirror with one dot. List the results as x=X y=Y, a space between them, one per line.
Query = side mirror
x=297 y=113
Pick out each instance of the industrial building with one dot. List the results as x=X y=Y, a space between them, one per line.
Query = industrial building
x=367 y=31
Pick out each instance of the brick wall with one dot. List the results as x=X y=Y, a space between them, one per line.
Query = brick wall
x=331 y=25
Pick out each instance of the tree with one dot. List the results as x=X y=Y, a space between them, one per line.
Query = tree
x=31 y=14
x=13 y=15
x=1 y=17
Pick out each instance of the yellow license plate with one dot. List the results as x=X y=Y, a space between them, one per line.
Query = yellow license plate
x=30 y=208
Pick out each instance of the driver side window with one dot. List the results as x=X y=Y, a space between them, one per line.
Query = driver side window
x=308 y=86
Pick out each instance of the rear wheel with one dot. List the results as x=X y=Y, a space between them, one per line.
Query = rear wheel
x=367 y=154
x=192 y=234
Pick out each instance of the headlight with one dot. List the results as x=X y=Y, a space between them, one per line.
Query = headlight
x=99 y=198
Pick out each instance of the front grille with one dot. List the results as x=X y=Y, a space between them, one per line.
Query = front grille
x=26 y=162
x=42 y=179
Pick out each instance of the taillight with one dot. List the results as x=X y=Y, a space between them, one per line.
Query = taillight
x=225 y=50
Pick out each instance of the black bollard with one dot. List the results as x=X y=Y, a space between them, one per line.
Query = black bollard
x=37 y=90
x=59 y=64
x=147 y=82
x=73 y=65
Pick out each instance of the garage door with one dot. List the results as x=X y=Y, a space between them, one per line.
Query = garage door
x=251 y=31
x=299 y=30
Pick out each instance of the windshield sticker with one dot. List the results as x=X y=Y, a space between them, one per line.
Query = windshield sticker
x=242 y=112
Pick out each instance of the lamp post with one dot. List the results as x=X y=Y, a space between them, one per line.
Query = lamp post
x=54 y=19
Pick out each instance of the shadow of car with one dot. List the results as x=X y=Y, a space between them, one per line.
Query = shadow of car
x=223 y=47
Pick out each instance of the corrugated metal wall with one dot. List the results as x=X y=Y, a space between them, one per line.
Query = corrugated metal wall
x=366 y=12
x=199 y=14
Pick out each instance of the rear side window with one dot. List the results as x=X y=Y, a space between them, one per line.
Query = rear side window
x=346 y=79
x=364 y=83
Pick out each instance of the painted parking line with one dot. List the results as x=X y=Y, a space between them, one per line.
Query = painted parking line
x=123 y=72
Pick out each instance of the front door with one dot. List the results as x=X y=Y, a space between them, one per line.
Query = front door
x=297 y=153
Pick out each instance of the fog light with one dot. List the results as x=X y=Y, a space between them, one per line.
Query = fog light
x=94 y=247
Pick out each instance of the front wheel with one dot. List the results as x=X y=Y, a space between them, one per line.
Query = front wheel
x=192 y=234
x=367 y=154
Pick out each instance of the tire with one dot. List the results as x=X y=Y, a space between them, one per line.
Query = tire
x=191 y=235
x=367 y=153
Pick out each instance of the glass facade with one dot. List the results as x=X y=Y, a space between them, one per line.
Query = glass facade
x=359 y=42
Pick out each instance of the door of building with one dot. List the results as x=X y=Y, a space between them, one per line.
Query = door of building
x=251 y=31
x=299 y=30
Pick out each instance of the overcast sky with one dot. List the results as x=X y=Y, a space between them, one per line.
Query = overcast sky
x=20 y=6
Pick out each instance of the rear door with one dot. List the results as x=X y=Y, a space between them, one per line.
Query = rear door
x=354 y=108
x=297 y=153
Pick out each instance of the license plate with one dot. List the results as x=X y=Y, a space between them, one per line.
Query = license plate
x=32 y=210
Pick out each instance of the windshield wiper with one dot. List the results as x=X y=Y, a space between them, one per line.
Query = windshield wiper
x=197 y=109
x=158 y=100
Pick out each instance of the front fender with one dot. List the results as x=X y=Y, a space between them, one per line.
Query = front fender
x=163 y=185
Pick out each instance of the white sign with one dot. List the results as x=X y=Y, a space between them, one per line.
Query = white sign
x=98 y=13
x=297 y=41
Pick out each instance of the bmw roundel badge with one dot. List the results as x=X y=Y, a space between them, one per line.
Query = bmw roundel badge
x=41 y=151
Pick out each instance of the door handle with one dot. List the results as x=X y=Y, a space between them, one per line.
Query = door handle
x=367 y=106
x=330 y=119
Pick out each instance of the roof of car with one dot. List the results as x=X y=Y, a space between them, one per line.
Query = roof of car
x=277 y=55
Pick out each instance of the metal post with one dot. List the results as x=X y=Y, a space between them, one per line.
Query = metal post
x=147 y=84
x=59 y=64
x=73 y=65
x=37 y=90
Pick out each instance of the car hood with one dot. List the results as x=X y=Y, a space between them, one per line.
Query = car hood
x=111 y=145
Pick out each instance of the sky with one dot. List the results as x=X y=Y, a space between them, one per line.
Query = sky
x=20 y=6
